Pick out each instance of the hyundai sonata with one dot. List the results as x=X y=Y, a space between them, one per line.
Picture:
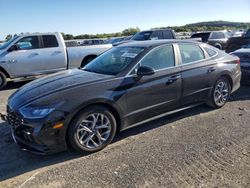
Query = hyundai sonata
x=126 y=86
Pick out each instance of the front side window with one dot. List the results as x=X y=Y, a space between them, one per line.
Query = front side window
x=49 y=41
x=28 y=43
x=114 y=61
x=159 y=58
x=190 y=53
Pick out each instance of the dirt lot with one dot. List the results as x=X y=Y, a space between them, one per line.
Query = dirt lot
x=194 y=148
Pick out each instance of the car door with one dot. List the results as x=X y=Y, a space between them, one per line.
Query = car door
x=53 y=56
x=156 y=94
x=26 y=59
x=197 y=73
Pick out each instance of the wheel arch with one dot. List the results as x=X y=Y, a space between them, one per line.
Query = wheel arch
x=5 y=72
x=86 y=58
x=103 y=103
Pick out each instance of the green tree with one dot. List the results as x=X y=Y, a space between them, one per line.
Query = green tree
x=8 y=37
x=130 y=31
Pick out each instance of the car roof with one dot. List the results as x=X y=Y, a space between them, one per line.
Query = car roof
x=153 y=43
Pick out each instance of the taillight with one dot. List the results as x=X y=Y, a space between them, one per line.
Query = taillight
x=238 y=61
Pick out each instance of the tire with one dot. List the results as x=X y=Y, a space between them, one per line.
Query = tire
x=220 y=93
x=86 y=136
x=218 y=46
x=3 y=80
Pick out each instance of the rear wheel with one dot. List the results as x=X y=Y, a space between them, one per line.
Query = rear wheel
x=3 y=80
x=220 y=94
x=92 y=129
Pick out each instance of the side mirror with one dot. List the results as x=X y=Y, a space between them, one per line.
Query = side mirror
x=13 y=48
x=145 y=71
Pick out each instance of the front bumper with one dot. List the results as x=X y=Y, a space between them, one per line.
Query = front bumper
x=36 y=136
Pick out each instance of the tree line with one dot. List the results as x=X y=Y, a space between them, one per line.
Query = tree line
x=201 y=26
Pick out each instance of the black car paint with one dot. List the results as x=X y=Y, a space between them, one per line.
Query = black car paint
x=130 y=99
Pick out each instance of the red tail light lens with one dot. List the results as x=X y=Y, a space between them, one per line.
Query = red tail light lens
x=238 y=61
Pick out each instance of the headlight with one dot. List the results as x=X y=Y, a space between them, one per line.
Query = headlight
x=36 y=112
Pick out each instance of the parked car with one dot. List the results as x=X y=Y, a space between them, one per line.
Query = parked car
x=217 y=39
x=37 y=54
x=92 y=42
x=71 y=43
x=114 y=40
x=244 y=55
x=155 y=34
x=235 y=43
x=124 y=87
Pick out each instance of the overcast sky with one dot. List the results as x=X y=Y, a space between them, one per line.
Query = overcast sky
x=105 y=16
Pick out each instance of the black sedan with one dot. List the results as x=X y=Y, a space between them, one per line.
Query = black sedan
x=244 y=55
x=126 y=86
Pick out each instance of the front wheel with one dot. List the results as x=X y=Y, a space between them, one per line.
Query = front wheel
x=220 y=93
x=92 y=129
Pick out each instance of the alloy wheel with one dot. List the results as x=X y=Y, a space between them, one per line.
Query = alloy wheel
x=221 y=93
x=94 y=130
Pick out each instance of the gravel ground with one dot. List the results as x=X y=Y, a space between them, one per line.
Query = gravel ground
x=194 y=148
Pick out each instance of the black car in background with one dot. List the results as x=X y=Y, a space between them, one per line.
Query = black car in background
x=244 y=55
x=155 y=34
x=218 y=39
x=126 y=86
x=235 y=43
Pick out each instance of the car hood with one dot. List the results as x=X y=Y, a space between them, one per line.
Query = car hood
x=53 y=83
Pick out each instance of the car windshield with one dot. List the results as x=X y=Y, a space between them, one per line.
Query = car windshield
x=114 y=61
x=7 y=43
x=145 y=35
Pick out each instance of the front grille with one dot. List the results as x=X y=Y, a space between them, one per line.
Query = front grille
x=12 y=118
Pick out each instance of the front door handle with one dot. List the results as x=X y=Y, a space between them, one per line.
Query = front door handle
x=212 y=69
x=172 y=79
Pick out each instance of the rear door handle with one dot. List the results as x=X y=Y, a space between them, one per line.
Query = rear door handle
x=212 y=69
x=58 y=52
x=172 y=79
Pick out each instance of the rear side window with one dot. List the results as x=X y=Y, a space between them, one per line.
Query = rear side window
x=190 y=53
x=159 y=58
x=28 y=43
x=167 y=35
x=217 y=35
x=49 y=41
x=210 y=52
x=157 y=35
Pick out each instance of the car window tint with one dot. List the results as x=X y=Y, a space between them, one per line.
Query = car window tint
x=217 y=35
x=28 y=43
x=49 y=41
x=159 y=58
x=167 y=34
x=210 y=52
x=156 y=35
x=190 y=53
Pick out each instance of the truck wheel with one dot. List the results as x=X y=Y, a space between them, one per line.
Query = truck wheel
x=218 y=46
x=92 y=129
x=220 y=93
x=3 y=80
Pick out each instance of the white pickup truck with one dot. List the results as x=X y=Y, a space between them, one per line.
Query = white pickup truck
x=36 y=54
